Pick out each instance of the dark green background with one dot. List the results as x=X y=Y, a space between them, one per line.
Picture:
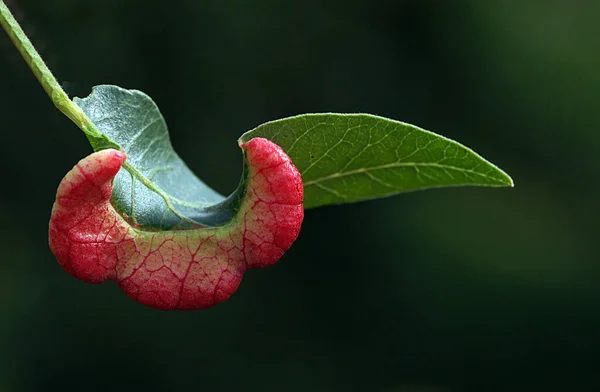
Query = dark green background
x=446 y=290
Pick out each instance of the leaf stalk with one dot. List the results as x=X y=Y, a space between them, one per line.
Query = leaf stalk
x=44 y=76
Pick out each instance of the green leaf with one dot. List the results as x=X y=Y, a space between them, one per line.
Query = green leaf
x=154 y=189
x=343 y=158
x=346 y=158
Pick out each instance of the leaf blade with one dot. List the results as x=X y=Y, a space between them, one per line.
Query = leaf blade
x=347 y=158
x=155 y=188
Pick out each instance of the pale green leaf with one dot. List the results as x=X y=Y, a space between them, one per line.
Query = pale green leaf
x=155 y=188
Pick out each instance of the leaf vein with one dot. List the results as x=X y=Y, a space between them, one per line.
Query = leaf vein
x=394 y=165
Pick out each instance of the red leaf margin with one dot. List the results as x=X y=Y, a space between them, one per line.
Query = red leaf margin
x=184 y=269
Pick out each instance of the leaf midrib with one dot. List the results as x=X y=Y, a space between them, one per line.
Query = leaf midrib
x=165 y=196
x=393 y=165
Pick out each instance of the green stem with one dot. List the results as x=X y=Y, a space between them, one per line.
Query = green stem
x=60 y=98
x=35 y=62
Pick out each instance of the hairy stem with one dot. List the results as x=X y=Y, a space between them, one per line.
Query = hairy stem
x=35 y=62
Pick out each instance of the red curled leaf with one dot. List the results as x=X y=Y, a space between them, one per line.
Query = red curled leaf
x=178 y=269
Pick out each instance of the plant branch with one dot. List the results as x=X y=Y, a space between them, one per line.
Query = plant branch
x=35 y=62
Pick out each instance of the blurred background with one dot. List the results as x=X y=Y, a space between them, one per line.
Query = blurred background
x=467 y=289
